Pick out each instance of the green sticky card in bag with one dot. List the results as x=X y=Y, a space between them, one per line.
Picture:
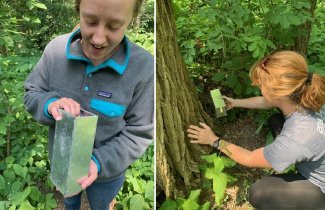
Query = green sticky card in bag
x=219 y=103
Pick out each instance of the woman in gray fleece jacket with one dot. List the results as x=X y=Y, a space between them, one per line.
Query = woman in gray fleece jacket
x=98 y=69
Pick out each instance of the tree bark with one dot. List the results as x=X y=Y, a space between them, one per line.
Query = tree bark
x=301 y=42
x=177 y=107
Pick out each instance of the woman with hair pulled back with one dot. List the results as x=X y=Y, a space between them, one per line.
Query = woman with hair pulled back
x=285 y=83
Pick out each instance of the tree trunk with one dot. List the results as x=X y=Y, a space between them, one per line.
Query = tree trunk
x=177 y=107
x=301 y=42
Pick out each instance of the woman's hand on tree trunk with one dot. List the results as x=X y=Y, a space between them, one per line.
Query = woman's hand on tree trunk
x=201 y=135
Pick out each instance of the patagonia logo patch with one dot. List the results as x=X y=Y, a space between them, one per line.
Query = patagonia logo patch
x=104 y=94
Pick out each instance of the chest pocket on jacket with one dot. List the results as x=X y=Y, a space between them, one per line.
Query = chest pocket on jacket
x=107 y=108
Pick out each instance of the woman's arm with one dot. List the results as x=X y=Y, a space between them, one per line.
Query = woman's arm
x=257 y=102
x=242 y=156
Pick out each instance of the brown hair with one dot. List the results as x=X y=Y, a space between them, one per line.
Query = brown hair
x=136 y=10
x=285 y=74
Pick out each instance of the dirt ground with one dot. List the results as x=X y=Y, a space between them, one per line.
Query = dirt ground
x=242 y=133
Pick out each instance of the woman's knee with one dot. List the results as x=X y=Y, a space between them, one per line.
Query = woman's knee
x=255 y=195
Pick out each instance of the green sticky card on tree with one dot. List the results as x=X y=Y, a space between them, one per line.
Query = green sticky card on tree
x=218 y=102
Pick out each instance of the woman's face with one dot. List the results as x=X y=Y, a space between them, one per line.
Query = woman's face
x=103 y=24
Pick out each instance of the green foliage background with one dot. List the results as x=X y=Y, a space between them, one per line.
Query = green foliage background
x=220 y=40
x=25 y=29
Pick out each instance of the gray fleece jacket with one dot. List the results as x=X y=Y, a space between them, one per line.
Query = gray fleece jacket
x=120 y=91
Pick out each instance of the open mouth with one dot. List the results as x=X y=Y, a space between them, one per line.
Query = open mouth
x=97 y=47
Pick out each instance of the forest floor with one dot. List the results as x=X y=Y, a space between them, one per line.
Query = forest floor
x=242 y=133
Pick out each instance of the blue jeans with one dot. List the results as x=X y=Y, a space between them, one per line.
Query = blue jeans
x=100 y=195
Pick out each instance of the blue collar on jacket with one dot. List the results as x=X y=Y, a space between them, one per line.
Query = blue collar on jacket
x=74 y=52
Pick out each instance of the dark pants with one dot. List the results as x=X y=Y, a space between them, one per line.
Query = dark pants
x=99 y=194
x=285 y=191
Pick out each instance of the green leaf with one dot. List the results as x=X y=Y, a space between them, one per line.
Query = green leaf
x=4 y=204
x=269 y=139
x=194 y=195
x=219 y=76
x=35 y=20
x=19 y=170
x=150 y=191
x=252 y=46
x=256 y=53
x=35 y=194
x=16 y=187
x=50 y=202
x=18 y=197
x=2 y=183
x=3 y=129
x=40 y=5
x=2 y=141
x=209 y=158
x=169 y=205
x=219 y=187
x=206 y=206
x=218 y=165
x=10 y=159
x=180 y=201
x=232 y=80
x=190 y=205
x=26 y=206
x=238 y=89
x=9 y=41
x=228 y=162
x=209 y=173
x=136 y=202
x=9 y=175
x=138 y=185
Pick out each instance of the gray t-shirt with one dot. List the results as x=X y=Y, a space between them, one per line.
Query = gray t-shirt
x=301 y=142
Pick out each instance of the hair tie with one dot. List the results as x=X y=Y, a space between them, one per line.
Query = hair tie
x=264 y=63
x=309 y=78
